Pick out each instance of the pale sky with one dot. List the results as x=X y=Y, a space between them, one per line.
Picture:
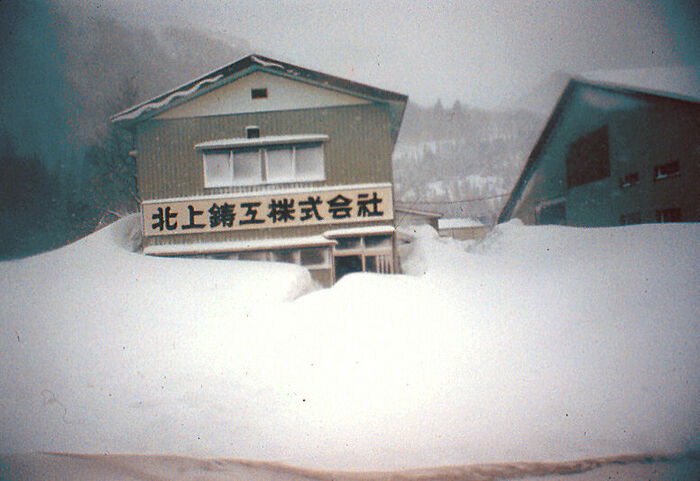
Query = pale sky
x=482 y=52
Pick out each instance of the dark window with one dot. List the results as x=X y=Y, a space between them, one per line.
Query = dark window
x=252 y=132
x=345 y=243
x=314 y=257
x=588 y=159
x=672 y=214
x=551 y=213
x=378 y=241
x=285 y=255
x=666 y=170
x=631 y=218
x=258 y=93
x=629 y=180
x=346 y=265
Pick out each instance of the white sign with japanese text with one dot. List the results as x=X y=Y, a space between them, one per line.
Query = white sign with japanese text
x=251 y=211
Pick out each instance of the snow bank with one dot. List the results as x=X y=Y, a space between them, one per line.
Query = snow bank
x=541 y=344
x=105 y=350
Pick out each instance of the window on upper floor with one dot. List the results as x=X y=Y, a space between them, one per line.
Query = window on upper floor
x=252 y=132
x=264 y=160
x=665 y=171
x=258 y=93
x=588 y=159
x=629 y=180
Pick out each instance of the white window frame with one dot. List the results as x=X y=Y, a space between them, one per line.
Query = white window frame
x=263 y=145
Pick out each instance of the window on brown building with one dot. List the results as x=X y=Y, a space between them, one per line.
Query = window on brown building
x=629 y=180
x=664 y=171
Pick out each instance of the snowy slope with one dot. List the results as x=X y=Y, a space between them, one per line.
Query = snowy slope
x=541 y=344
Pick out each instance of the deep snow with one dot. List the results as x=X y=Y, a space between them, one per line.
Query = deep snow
x=540 y=344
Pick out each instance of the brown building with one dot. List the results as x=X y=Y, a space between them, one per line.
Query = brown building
x=265 y=160
x=612 y=155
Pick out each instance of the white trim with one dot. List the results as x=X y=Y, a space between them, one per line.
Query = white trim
x=297 y=190
x=241 y=142
x=239 y=246
x=360 y=231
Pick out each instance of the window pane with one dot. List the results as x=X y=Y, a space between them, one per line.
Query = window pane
x=309 y=162
x=259 y=93
x=378 y=241
x=371 y=264
x=380 y=264
x=279 y=165
x=347 y=243
x=285 y=255
x=314 y=257
x=346 y=265
x=253 y=256
x=217 y=168
x=666 y=170
x=246 y=167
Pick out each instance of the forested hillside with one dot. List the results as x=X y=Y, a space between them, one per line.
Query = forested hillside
x=65 y=168
x=449 y=158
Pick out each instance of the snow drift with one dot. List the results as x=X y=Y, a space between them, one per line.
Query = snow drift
x=539 y=344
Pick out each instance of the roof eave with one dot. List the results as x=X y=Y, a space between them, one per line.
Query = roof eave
x=247 y=65
x=533 y=158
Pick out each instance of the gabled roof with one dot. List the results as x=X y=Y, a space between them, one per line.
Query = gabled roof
x=253 y=63
x=574 y=84
x=680 y=82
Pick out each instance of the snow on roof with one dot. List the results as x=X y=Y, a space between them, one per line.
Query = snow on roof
x=677 y=81
x=155 y=105
x=350 y=231
x=456 y=223
x=268 y=140
x=237 y=246
x=251 y=63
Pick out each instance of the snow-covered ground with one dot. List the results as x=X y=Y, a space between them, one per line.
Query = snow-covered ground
x=539 y=344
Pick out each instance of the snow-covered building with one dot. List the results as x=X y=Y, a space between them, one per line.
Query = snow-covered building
x=613 y=155
x=266 y=160
x=462 y=228
x=413 y=217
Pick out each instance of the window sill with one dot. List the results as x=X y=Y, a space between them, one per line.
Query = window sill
x=665 y=177
x=286 y=183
